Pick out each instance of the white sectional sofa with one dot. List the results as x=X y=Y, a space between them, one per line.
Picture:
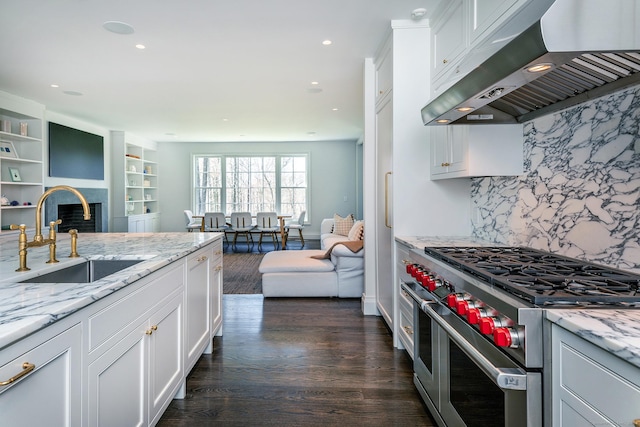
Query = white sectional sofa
x=294 y=273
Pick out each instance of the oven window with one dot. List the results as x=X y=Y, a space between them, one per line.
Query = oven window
x=476 y=399
x=424 y=343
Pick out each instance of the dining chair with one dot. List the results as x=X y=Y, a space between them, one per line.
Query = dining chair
x=192 y=224
x=267 y=224
x=216 y=222
x=296 y=225
x=242 y=225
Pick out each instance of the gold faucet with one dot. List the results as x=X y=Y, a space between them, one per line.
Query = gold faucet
x=38 y=239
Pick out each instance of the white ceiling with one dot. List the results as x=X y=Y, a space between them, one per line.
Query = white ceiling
x=212 y=70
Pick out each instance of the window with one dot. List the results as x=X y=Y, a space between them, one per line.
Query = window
x=251 y=184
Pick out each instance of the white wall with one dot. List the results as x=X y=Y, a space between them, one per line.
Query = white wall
x=333 y=176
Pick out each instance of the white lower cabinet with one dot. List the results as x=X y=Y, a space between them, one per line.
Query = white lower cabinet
x=404 y=313
x=121 y=360
x=133 y=380
x=590 y=386
x=42 y=386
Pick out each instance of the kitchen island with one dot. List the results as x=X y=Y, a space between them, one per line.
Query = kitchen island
x=113 y=351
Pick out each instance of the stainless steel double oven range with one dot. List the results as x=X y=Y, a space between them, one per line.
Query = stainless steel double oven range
x=481 y=349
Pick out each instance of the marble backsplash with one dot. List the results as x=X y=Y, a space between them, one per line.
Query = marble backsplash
x=580 y=193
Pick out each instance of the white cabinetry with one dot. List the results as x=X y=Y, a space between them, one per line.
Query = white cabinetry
x=42 y=386
x=135 y=183
x=591 y=387
x=449 y=39
x=405 y=303
x=476 y=150
x=203 y=302
x=21 y=165
x=137 y=365
x=467 y=32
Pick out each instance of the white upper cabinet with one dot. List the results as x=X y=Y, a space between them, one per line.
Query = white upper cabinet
x=482 y=150
x=449 y=39
x=468 y=32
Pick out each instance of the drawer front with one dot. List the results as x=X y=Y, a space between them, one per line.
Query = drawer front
x=406 y=330
x=114 y=318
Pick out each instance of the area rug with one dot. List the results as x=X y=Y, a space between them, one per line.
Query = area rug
x=240 y=273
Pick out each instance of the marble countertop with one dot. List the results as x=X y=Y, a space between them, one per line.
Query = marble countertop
x=419 y=242
x=28 y=307
x=616 y=331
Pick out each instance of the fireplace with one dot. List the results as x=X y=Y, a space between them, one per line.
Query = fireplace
x=66 y=206
x=72 y=217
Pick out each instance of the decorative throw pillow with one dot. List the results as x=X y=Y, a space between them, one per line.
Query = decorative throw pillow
x=341 y=225
x=357 y=231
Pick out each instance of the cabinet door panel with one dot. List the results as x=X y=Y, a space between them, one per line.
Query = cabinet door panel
x=198 y=313
x=165 y=355
x=116 y=383
x=51 y=393
x=449 y=38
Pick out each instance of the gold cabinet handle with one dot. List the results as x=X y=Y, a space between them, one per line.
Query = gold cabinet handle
x=153 y=328
x=218 y=268
x=26 y=368
x=445 y=164
x=444 y=61
x=408 y=330
x=202 y=258
x=218 y=252
x=636 y=423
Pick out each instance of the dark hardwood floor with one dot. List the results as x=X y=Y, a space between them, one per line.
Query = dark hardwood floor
x=300 y=362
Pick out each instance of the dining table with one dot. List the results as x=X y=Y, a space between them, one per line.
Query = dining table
x=281 y=218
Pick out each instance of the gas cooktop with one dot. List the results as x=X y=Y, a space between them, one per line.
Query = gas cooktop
x=543 y=278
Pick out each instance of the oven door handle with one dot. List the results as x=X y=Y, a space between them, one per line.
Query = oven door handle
x=505 y=378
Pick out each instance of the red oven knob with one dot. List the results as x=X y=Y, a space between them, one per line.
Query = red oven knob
x=505 y=337
x=433 y=283
x=409 y=267
x=452 y=300
x=474 y=315
x=462 y=307
x=478 y=312
x=487 y=325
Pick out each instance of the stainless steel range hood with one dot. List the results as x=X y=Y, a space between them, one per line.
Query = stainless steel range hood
x=591 y=46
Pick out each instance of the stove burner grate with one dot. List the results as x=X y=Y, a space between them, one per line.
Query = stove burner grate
x=543 y=278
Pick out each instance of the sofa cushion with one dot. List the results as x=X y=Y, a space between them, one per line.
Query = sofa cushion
x=357 y=231
x=341 y=225
x=294 y=261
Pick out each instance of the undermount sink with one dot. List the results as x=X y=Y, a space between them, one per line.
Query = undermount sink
x=86 y=272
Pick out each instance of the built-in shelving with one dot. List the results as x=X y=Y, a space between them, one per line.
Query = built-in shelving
x=135 y=183
x=21 y=161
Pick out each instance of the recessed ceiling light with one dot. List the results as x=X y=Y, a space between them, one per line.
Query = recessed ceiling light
x=72 y=93
x=55 y=85
x=315 y=83
x=141 y=46
x=118 y=27
x=327 y=42
x=464 y=109
x=225 y=120
x=442 y=121
x=334 y=109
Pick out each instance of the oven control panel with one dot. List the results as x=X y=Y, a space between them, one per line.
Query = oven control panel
x=488 y=321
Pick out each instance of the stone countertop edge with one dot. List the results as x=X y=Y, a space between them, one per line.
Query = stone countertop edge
x=26 y=308
x=615 y=331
